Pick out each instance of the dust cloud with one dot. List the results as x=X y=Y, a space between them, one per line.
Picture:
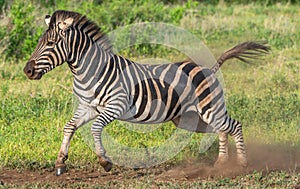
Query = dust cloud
x=261 y=157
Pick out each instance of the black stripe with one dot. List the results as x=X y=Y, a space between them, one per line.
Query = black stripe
x=72 y=39
x=86 y=24
x=207 y=91
x=60 y=51
x=92 y=29
x=170 y=75
x=188 y=68
x=52 y=60
x=135 y=96
x=154 y=102
x=77 y=41
x=79 y=21
x=113 y=73
x=174 y=101
x=93 y=65
x=164 y=96
x=200 y=76
x=215 y=112
x=86 y=47
x=56 y=54
x=89 y=59
x=106 y=82
x=45 y=63
x=110 y=68
x=212 y=102
x=123 y=64
x=177 y=110
x=144 y=94
x=94 y=34
x=82 y=48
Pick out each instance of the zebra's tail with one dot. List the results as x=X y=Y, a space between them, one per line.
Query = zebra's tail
x=244 y=52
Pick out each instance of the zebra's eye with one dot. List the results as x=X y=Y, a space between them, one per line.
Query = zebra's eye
x=51 y=43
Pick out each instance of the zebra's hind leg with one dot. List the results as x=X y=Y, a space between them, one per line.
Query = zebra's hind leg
x=96 y=130
x=223 y=149
x=237 y=134
x=234 y=128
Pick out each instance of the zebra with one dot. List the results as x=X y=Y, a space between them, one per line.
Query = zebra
x=110 y=87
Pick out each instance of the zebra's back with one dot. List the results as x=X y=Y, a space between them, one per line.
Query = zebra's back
x=163 y=92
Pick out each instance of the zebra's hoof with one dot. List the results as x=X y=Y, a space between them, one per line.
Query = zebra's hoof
x=60 y=170
x=108 y=166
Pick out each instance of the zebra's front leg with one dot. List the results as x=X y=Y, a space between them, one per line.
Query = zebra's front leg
x=69 y=131
x=82 y=115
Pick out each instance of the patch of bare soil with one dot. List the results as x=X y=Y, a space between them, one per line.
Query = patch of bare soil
x=265 y=158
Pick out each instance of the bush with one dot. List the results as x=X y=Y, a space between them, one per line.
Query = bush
x=261 y=2
x=23 y=34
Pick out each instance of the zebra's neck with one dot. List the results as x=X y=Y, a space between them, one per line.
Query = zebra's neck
x=87 y=47
x=89 y=69
x=85 y=54
x=90 y=62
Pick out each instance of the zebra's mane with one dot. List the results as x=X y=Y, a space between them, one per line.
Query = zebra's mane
x=81 y=21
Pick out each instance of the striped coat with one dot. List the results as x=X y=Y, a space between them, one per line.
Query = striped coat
x=111 y=87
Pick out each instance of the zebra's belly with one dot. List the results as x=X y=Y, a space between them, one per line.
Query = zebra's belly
x=134 y=120
x=158 y=116
x=129 y=117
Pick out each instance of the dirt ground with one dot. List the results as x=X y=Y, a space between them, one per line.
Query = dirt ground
x=263 y=158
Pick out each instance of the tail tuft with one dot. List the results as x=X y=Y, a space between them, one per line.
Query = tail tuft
x=244 y=52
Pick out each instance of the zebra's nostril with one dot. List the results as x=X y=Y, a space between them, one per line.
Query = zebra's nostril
x=29 y=70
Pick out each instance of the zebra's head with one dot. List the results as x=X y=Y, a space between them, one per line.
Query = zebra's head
x=51 y=50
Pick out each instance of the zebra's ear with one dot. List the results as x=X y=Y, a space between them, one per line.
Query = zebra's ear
x=66 y=24
x=47 y=19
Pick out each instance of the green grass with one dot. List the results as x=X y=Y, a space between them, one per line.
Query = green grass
x=264 y=96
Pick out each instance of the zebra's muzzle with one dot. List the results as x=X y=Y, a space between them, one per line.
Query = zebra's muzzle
x=30 y=71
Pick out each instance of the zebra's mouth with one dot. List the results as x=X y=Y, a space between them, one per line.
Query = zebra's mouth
x=36 y=76
x=39 y=76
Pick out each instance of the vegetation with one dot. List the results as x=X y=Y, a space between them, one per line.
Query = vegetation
x=264 y=96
